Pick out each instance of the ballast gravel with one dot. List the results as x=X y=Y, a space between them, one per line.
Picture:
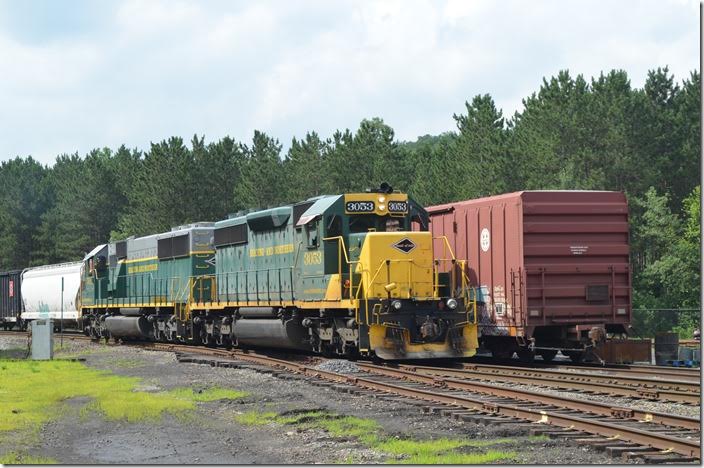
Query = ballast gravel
x=340 y=366
x=678 y=409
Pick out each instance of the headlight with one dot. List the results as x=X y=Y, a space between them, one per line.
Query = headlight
x=451 y=303
x=396 y=305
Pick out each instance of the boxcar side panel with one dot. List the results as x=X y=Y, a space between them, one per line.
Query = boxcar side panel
x=576 y=258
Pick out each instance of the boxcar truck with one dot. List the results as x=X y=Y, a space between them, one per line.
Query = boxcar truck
x=552 y=268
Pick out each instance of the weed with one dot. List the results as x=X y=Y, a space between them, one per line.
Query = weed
x=370 y=433
x=455 y=458
x=15 y=458
x=255 y=418
x=209 y=394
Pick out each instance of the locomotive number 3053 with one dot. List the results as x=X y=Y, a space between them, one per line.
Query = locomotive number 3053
x=360 y=207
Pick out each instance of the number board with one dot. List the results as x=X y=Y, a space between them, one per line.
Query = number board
x=360 y=207
x=398 y=207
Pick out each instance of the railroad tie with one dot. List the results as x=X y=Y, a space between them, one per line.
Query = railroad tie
x=656 y=459
x=617 y=451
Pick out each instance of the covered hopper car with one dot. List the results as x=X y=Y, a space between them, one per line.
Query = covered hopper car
x=552 y=268
x=43 y=297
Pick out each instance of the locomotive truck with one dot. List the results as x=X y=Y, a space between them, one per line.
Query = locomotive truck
x=339 y=275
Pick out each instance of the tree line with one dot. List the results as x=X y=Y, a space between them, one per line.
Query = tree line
x=572 y=133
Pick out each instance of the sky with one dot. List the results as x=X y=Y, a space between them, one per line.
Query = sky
x=81 y=74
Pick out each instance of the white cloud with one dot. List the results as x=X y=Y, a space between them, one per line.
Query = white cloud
x=159 y=68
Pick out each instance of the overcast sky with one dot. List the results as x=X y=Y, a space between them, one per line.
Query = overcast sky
x=75 y=75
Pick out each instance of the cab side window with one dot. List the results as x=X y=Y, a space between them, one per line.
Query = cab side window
x=334 y=226
x=312 y=234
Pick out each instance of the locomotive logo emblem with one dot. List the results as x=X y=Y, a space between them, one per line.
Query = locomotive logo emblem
x=405 y=245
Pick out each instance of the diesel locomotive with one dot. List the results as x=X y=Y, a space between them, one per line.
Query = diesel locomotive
x=342 y=275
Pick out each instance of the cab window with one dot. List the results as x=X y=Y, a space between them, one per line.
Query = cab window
x=312 y=234
x=334 y=226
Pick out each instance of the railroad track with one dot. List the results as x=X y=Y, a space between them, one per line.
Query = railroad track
x=621 y=384
x=633 y=369
x=640 y=369
x=623 y=430
x=626 y=431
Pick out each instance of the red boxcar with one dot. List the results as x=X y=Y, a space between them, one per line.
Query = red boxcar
x=552 y=267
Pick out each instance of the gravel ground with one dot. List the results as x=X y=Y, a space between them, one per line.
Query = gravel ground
x=212 y=436
x=340 y=366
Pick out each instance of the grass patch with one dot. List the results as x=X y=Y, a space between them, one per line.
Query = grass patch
x=15 y=458
x=30 y=393
x=371 y=434
x=208 y=394
x=255 y=418
x=455 y=458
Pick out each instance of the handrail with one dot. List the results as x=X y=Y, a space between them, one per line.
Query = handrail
x=447 y=244
x=341 y=248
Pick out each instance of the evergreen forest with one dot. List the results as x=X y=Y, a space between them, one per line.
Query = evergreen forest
x=600 y=133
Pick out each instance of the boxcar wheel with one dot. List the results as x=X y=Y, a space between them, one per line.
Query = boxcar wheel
x=575 y=356
x=548 y=355
x=526 y=355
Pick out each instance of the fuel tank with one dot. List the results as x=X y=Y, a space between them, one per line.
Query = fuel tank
x=258 y=312
x=128 y=327
x=271 y=333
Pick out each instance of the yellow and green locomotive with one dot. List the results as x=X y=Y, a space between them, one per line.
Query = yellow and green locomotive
x=339 y=275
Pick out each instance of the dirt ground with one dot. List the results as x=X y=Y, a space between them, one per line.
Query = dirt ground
x=212 y=435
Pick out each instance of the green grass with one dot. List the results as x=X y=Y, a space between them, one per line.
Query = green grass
x=255 y=418
x=15 y=458
x=31 y=393
x=208 y=394
x=371 y=434
x=455 y=458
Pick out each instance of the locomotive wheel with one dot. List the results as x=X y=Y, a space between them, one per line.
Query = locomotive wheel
x=548 y=355
x=502 y=353
x=327 y=350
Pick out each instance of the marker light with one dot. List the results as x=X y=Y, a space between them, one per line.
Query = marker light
x=451 y=303
x=396 y=305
